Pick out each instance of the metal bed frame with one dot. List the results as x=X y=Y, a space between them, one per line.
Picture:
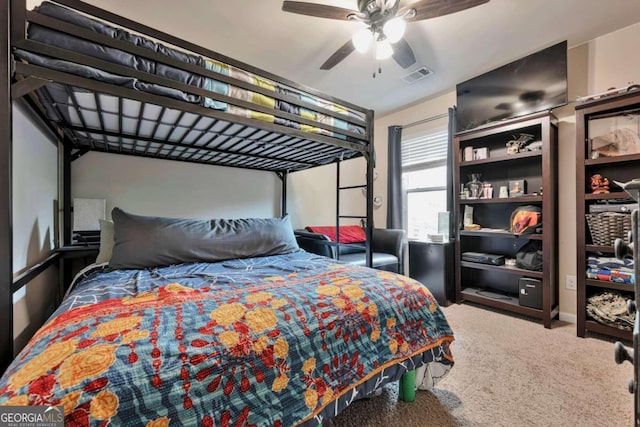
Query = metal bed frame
x=227 y=140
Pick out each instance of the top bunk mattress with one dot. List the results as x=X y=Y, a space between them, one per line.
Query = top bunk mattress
x=230 y=89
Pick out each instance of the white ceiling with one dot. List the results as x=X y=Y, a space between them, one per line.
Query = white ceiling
x=456 y=47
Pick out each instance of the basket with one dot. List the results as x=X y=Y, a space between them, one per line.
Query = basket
x=606 y=227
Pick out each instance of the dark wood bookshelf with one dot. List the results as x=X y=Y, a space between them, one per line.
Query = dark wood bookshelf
x=617 y=168
x=539 y=170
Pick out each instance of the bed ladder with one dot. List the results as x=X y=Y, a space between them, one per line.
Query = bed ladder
x=365 y=220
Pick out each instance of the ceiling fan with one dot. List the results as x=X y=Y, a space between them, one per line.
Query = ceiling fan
x=385 y=24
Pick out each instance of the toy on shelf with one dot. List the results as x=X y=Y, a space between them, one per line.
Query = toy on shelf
x=518 y=144
x=599 y=184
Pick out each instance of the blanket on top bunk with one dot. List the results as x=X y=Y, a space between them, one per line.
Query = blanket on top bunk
x=271 y=341
x=68 y=42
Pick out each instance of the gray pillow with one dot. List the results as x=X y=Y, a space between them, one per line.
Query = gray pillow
x=143 y=241
x=106 y=241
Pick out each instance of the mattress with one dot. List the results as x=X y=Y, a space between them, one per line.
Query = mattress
x=271 y=341
x=354 y=121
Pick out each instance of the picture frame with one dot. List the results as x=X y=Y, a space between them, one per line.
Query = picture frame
x=467 y=154
x=480 y=153
x=517 y=187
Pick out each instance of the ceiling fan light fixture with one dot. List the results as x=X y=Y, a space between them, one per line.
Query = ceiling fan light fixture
x=362 y=40
x=394 y=29
x=383 y=50
x=382 y=27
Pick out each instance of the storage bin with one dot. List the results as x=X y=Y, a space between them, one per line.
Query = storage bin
x=606 y=227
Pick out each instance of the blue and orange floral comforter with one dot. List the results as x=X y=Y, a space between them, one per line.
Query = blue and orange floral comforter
x=275 y=341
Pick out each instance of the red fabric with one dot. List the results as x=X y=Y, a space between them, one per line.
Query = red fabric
x=348 y=233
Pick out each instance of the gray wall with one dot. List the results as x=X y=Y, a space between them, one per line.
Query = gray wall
x=178 y=189
x=35 y=190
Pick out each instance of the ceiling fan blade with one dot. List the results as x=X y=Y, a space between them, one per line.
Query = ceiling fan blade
x=403 y=54
x=427 y=9
x=338 y=56
x=318 y=10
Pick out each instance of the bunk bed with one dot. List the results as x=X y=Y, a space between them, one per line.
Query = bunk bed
x=102 y=82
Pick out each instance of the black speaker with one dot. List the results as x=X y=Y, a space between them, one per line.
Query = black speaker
x=530 y=293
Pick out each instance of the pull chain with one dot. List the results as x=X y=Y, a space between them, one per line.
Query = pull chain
x=376 y=62
x=375 y=47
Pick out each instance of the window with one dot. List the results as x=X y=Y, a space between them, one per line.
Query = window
x=424 y=181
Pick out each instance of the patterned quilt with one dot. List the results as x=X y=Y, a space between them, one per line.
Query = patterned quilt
x=272 y=341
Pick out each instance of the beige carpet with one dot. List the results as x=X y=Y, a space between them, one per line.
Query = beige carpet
x=511 y=372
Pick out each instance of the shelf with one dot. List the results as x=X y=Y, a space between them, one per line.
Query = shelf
x=511 y=157
x=502 y=234
x=502 y=269
x=598 y=248
x=609 y=285
x=523 y=199
x=505 y=302
x=593 y=326
x=615 y=159
x=608 y=196
x=620 y=168
x=78 y=251
x=78 y=247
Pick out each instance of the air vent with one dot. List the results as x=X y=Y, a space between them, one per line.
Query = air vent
x=416 y=75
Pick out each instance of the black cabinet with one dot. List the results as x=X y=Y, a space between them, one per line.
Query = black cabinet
x=432 y=265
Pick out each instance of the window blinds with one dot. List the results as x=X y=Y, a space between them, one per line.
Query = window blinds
x=424 y=150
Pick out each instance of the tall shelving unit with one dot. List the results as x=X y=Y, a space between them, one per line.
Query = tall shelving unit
x=619 y=168
x=498 y=286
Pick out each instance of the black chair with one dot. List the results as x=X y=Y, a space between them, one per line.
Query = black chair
x=388 y=246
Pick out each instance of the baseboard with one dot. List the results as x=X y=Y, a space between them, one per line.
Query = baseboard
x=568 y=317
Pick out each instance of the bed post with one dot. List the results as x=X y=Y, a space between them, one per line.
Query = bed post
x=6 y=228
x=407 y=387
x=66 y=193
x=283 y=198
x=338 y=188
x=371 y=164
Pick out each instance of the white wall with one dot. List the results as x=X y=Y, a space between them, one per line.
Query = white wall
x=35 y=191
x=175 y=189
x=614 y=60
x=313 y=194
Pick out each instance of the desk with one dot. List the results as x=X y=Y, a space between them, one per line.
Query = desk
x=86 y=254
x=432 y=265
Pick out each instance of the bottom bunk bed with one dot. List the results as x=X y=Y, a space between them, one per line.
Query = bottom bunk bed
x=280 y=338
